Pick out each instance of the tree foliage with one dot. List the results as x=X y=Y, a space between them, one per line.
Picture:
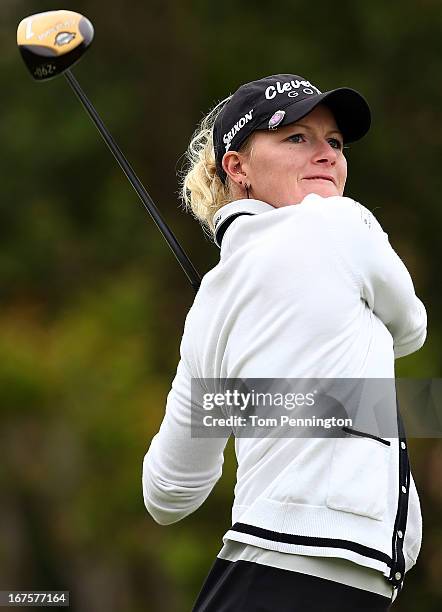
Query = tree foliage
x=93 y=303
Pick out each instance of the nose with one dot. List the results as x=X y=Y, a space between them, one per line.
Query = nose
x=325 y=154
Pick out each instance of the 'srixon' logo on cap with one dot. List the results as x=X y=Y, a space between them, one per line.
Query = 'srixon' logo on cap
x=228 y=136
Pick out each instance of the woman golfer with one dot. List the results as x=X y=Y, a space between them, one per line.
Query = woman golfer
x=307 y=287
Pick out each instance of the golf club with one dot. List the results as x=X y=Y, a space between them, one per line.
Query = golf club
x=50 y=43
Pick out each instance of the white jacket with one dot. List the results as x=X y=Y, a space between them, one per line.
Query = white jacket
x=307 y=291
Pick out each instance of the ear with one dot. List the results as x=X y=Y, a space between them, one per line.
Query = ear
x=232 y=165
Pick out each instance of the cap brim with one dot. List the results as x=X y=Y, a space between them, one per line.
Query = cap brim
x=349 y=108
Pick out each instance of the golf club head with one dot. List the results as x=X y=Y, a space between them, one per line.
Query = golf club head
x=52 y=42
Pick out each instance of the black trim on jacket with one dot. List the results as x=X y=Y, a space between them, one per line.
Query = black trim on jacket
x=397 y=571
x=289 y=538
x=222 y=227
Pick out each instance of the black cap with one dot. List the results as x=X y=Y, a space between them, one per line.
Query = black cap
x=281 y=99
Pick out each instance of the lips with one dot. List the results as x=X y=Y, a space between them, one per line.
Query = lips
x=322 y=177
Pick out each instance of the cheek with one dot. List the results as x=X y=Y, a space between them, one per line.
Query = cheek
x=279 y=166
x=266 y=168
x=342 y=171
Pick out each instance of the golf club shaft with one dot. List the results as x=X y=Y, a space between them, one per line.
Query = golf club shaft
x=147 y=201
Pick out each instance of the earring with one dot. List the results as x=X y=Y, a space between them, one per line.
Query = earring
x=246 y=187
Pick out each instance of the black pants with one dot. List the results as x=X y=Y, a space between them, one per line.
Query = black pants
x=244 y=586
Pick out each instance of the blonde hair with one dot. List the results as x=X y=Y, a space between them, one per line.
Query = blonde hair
x=202 y=191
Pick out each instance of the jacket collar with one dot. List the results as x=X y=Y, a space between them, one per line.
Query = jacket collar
x=228 y=213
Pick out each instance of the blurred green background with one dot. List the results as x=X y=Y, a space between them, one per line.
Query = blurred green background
x=93 y=303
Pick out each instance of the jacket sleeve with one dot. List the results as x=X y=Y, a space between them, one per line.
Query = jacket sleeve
x=385 y=282
x=180 y=471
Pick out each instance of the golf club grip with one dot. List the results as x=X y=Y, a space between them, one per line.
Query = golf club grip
x=147 y=201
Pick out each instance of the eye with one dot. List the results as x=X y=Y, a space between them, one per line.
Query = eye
x=296 y=138
x=335 y=143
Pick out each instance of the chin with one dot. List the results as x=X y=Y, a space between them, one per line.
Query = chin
x=325 y=191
